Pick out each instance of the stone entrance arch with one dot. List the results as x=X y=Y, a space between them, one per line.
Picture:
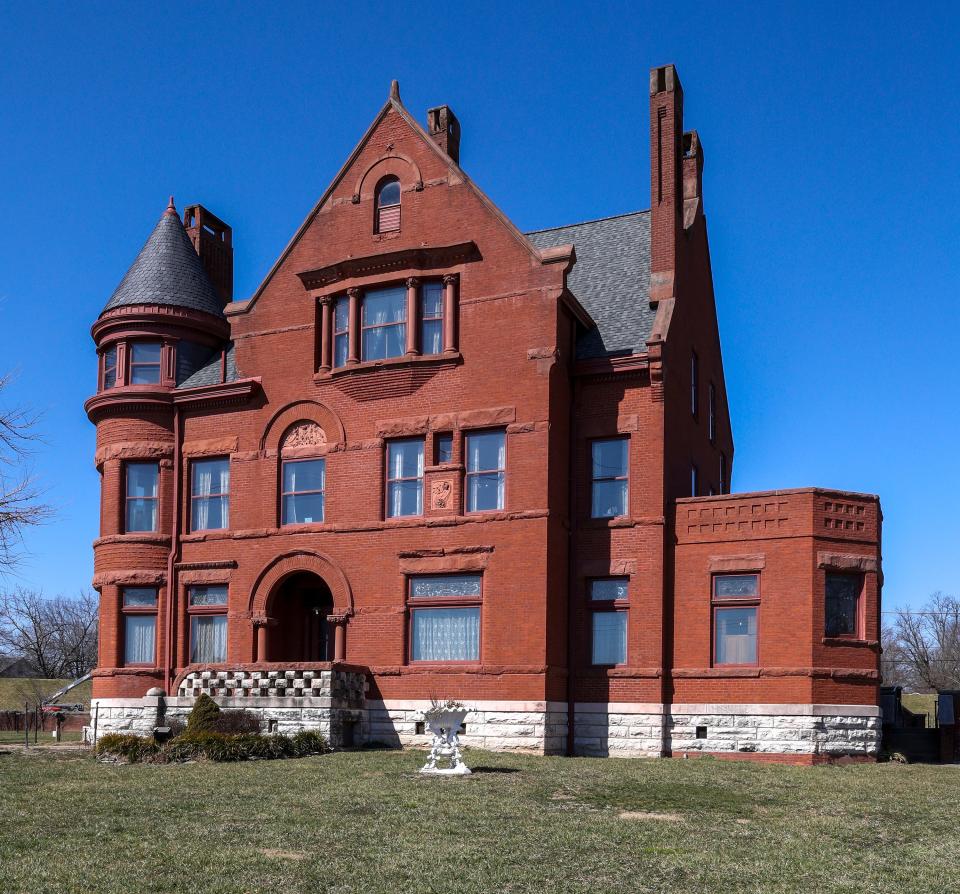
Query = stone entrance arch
x=313 y=582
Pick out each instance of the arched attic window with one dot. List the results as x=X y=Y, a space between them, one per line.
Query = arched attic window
x=387 y=204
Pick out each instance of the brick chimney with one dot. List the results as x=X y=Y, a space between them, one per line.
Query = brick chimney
x=666 y=134
x=444 y=130
x=213 y=240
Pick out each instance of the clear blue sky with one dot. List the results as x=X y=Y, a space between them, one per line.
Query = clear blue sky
x=831 y=139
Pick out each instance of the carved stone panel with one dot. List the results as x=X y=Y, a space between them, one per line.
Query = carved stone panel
x=441 y=494
x=305 y=434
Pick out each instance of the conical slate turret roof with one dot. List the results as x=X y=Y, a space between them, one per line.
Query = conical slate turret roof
x=167 y=271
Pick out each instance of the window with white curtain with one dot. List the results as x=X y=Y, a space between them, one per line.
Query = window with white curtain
x=303 y=488
x=405 y=477
x=139 y=609
x=207 y=606
x=210 y=494
x=341 y=331
x=609 y=602
x=445 y=617
x=141 y=497
x=383 y=324
x=486 y=470
x=431 y=317
x=609 y=478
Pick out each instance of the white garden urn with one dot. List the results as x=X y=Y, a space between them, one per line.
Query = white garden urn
x=444 y=722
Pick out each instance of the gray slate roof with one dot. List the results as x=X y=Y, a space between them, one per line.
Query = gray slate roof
x=611 y=279
x=209 y=373
x=167 y=271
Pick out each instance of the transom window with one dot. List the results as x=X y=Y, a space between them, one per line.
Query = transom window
x=387 y=202
x=444 y=617
x=842 y=608
x=609 y=478
x=405 y=477
x=141 y=497
x=431 y=317
x=139 y=610
x=486 y=470
x=303 y=487
x=145 y=363
x=384 y=323
x=736 y=601
x=210 y=494
x=609 y=603
x=207 y=607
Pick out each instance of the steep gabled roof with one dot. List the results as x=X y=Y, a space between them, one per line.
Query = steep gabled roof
x=611 y=279
x=167 y=271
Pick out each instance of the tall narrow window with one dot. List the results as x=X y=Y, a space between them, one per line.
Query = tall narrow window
x=609 y=602
x=341 y=331
x=712 y=413
x=842 y=609
x=210 y=494
x=694 y=480
x=384 y=323
x=431 y=318
x=608 y=497
x=141 y=497
x=207 y=607
x=145 y=363
x=303 y=487
x=736 y=600
x=694 y=384
x=110 y=367
x=444 y=617
x=405 y=477
x=443 y=448
x=724 y=481
x=486 y=470
x=387 y=201
x=139 y=609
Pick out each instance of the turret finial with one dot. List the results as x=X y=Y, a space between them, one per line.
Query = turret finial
x=171 y=208
x=395 y=90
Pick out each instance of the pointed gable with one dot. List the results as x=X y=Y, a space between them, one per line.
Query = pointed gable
x=167 y=271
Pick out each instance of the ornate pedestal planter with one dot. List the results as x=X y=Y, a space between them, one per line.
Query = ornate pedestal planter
x=444 y=721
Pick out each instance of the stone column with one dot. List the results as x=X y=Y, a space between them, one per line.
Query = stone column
x=353 y=355
x=412 y=328
x=326 y=332
x=339 y=623
x=449 y=314
x=260 y=627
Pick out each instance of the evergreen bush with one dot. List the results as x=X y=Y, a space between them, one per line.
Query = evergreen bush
x=204 y=715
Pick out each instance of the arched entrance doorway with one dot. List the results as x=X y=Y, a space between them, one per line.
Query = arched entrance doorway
x=298 y=610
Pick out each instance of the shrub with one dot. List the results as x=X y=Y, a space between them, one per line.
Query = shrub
x=132 y=749
x=204 y=715
x=236 y=722
x=176 y=725
x=309 y=741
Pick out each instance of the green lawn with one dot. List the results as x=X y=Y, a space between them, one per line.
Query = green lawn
x=15 y=690
x=365 y=822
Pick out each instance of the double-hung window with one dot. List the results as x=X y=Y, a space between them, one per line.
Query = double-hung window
x=207 y=607
x=842 y=604
x=444 y=617
x=384 y=323
x=609 y=603
x=609 y=481
x=736 y=603
x=486 y=470
x=139 y=609
x=303 y=487
x=141 y=497
x=341 y=331
x=431 y=317
x=145 y=363
x=405 y=477
x=210 y=494
x=110 y=367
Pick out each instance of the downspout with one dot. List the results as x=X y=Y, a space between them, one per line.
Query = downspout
x=571 y=545
x=174 y=553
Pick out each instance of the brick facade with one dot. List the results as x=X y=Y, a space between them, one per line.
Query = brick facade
x=258 y=382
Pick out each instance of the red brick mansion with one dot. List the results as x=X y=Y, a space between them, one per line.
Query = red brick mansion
x=433 y=455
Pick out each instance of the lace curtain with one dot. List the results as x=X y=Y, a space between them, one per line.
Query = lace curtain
x=211 y=485
x=139 y=639
x=208 y=639
x=385 y=309
x=446 y=634
x=405 y=461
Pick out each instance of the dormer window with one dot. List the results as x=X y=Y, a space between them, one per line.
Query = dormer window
x=387 y=201
x=145 y=363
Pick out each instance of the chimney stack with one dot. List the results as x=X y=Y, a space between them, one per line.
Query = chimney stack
x=666 y=130
x=444 y=130
x=213 y=241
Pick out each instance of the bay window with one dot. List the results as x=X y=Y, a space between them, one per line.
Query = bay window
x=736 y=602
x=609 y=602
x=145 y=363
x=303 y=488
x=207 y=607
x=486 y=470
x=609 y=478
x=431 y=317
x=383 y=323
x=842 y=604
x=139 y=611
x=110 y=367
x=341 y=331
x=405 y=477
x=210 y=494
x=444 y=617
x=141 y=497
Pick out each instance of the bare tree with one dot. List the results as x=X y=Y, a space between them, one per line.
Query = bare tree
x=20 y=503
x=59 y=635
x=923 y=651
